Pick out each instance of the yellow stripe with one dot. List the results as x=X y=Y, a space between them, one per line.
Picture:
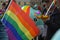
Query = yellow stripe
x=29 y=36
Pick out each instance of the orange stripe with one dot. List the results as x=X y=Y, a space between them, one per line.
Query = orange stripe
x=21 y=14
x=23 y=22
x=29 y=20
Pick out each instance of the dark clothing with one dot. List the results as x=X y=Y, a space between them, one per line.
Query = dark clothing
x=44 y=10
x=53 y=24
x=3 y=34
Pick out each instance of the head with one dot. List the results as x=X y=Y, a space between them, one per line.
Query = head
x=3 y=5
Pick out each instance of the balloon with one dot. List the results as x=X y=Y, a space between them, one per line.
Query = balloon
x=25 y=8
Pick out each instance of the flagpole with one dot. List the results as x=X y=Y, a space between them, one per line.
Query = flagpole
x=50 y=7
x=9 y=5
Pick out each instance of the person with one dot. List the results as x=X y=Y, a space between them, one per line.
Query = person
x=3 y=34
x=44 y=8
x=42 y=27
x=2 y=10
x=54 y=23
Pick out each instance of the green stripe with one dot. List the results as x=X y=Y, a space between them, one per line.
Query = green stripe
x=21 y=26
x=10 y=20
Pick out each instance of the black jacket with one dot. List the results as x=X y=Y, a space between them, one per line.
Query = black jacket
x=53 y=24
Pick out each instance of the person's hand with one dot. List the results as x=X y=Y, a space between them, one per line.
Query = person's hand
x=45 y=18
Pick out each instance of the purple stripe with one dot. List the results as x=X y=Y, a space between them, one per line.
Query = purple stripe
x=10 y=34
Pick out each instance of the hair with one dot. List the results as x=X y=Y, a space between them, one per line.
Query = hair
x=4 y=4
x=1 y=1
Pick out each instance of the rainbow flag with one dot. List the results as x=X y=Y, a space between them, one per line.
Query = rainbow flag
x=22 y=26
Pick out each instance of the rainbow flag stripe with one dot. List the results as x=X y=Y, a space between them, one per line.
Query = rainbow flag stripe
x=22 y=26
x=10 y=34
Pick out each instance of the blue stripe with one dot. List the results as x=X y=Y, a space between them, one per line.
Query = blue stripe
x=12 y=29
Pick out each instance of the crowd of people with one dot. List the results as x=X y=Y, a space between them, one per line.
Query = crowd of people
x=51 y=23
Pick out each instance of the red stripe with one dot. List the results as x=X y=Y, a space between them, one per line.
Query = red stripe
x=24 y=16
